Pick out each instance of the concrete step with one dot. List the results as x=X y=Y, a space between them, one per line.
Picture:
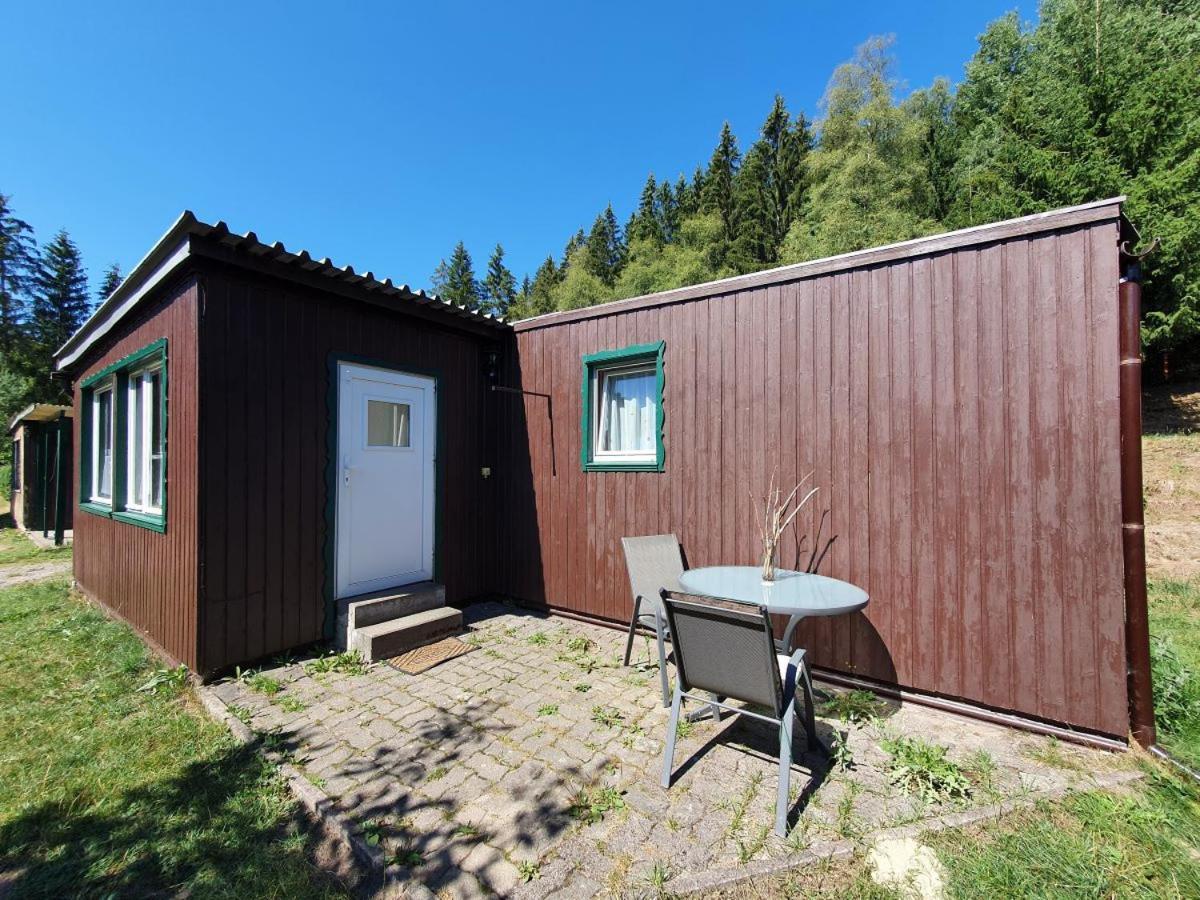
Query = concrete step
x=384 y=639
x=383 y=606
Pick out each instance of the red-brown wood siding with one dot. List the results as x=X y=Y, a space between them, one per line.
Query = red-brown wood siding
x=147 y=578
x=959 y=413
x=264 y=371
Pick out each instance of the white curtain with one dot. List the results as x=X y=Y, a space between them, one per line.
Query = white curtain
x=630 y=417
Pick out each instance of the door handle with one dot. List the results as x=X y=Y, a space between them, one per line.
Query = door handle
x=346 y=476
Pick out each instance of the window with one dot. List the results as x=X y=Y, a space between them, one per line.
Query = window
x=623 y=409
x=102 y=443
x=16 y=466
x=124 y=457
x=387 y=424
x=143 y=481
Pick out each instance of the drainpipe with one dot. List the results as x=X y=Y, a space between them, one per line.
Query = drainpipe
x=1137 y=624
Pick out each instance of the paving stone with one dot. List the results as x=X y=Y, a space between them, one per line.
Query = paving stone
x=510 y=774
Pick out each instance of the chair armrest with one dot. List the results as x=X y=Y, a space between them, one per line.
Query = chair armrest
x=793 y=672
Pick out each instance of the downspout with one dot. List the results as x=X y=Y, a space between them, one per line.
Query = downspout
x=1133 y=536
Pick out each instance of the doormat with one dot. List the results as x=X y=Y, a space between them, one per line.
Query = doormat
x=422 y=659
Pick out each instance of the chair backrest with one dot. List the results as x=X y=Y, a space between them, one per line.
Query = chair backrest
x=724 y=647
x=654 y=562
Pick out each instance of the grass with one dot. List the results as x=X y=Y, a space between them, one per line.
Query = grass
x=1093 y=844
x=1175 y=651
x=15 y=547
x=108 y=790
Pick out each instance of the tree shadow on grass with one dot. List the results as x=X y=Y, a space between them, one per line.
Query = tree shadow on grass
x=207 y=832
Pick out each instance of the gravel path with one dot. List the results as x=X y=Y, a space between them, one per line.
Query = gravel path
x=19 y=573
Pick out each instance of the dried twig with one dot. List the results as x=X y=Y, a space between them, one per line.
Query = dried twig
x=775 y=515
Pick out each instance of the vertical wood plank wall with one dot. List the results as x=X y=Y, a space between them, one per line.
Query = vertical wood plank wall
x=149 y=579
x=958 y=412
x=264 y=372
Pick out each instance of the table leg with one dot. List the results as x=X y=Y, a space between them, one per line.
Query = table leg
x=787 y=632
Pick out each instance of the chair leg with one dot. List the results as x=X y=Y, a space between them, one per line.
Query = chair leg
x=662 y=661
x=783 y=801
x=810 y=718
x=672 y=727
x=632 y=627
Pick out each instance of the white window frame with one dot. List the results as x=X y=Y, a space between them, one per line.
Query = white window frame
x=108 y=386
x=600 y=375
x=139 y=384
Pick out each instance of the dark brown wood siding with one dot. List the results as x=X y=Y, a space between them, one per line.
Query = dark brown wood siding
x=265 y=427
x=958 y=410
x=147 y=578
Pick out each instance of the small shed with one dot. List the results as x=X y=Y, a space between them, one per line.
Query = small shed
x=40 y=489
x=264 y=436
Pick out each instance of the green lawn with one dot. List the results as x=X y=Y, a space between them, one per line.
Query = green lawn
x=1175 y=627
x=16 y=547
x=108 y=790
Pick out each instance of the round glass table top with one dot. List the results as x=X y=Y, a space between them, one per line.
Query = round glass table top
x=790 y=594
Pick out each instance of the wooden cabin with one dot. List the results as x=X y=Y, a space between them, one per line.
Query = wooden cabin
x=265 y=440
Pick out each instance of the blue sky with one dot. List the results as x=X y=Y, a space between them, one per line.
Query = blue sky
x=379 y=134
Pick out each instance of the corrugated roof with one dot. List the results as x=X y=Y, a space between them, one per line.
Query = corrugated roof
x=174 y=247
x=40 y=412
x=302 y=259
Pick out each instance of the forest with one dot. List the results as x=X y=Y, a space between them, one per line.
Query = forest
x=1099 y=98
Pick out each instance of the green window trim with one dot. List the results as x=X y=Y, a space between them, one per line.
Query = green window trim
x=635 y=353
x=119 y=373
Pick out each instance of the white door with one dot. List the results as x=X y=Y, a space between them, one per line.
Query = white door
x=386 y=429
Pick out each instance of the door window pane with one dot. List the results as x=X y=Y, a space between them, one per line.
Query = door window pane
x=387 y=424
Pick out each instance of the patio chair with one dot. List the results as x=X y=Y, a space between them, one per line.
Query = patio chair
x=728 y=649
x=654 y=562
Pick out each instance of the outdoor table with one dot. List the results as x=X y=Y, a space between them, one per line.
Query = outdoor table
x=796 y=595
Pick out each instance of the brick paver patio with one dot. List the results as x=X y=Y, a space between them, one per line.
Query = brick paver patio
x=531 y=766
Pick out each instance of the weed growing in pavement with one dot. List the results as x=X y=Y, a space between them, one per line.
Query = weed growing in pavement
x=920 y=768
x=591 y=806
x=852 y=706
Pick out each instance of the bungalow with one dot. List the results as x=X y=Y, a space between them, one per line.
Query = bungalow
x=273 y=451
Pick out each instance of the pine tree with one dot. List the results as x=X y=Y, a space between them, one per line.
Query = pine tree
x=539 y=297
x=60 y=306
x=717 y=195
x=770 y=185
x=604 y=251
x=18 y=269
x=646 y=223
x=455 y=280
x=577 y=240
x=499 y=285
x=933 y=109
x=668 y=211
x=112 y=280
